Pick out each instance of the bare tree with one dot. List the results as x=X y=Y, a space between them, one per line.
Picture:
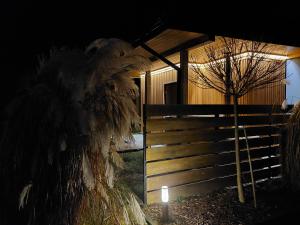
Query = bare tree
x=234 y=70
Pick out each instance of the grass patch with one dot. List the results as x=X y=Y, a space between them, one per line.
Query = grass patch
x=132 y=176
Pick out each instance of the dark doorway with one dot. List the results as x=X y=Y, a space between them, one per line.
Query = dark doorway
x=170 y=93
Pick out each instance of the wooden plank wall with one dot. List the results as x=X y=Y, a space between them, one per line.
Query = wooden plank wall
x=157 y=86
x=198 y=95
x=271 y=94
x=190 y=148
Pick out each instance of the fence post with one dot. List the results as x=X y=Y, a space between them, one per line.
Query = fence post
x=217 y=116
x=270 y=145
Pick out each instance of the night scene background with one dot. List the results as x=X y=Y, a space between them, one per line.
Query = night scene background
x=67 y=125
x=31 y=28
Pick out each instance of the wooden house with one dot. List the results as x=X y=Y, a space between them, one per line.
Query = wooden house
x=188 y=131
x=172 y=52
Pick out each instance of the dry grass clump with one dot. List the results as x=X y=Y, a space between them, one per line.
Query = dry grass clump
x=58 y=154
x=291 y=154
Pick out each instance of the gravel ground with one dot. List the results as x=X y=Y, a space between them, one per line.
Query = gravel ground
x=222 y=207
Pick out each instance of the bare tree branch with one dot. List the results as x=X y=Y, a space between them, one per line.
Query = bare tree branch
x=250 y=67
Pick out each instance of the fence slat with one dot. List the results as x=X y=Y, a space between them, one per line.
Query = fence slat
x=173 y=165
x=209 y=122
x=205 y=135
x=165 y=110
x=178 y=137
x=185 y=123
x=184 y=177
x=177 y=151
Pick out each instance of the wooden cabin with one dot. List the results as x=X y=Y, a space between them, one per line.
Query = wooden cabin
x=190 y=147
x=172 y=53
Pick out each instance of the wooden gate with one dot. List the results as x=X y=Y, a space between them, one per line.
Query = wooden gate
x=190 y=148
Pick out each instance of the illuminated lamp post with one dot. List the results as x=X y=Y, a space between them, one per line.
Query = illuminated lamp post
x=165 y=207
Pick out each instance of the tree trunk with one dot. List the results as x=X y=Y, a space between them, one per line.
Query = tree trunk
x=237 y=152
x=227 y=79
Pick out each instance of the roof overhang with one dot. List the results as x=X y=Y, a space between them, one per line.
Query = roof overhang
x=164 y=41
x=170 y=41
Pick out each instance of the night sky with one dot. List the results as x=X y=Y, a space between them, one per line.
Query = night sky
x=30 y=28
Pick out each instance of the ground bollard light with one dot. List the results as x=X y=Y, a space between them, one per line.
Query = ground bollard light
x=165 y=200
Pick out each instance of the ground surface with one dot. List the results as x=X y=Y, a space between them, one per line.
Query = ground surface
x=132 y=175
x=275 y=206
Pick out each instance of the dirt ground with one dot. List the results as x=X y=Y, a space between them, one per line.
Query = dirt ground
x=223 y=208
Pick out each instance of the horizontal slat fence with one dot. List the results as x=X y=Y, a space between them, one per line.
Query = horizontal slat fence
x=190 y=148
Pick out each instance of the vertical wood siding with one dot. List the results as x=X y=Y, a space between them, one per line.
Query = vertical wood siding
x=271 y=94
x=157 y=86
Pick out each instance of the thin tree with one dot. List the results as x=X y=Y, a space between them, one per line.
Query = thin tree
x=249 y=68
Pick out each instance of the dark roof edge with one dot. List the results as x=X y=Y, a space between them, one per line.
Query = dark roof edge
x=274 y=36
x=154 y=31
x=289 y=38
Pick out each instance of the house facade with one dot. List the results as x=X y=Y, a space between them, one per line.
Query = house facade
x=188 y=131
x=182 y=49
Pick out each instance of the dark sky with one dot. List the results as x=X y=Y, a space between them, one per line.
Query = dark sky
x=34 y=27
x=29 y=28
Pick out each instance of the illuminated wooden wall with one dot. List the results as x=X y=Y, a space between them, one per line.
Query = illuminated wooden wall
x=157 y=86
x=199 y=95
x=272 y=94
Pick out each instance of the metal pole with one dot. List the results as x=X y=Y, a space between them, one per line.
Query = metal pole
x=165 y=213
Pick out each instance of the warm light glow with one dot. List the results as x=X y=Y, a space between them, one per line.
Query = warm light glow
x=244 y=55
x=164 y=194
x=266 y=56
x=163 y=70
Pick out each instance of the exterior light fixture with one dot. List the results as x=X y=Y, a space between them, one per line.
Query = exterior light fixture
x=164 y=194
x=165 y=207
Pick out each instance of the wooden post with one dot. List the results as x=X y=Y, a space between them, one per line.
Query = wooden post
x=182 y=78
x=144 y=154
x=147 y=101
x=148 y=87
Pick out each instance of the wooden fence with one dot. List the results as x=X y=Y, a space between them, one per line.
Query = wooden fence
x=190 y=148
